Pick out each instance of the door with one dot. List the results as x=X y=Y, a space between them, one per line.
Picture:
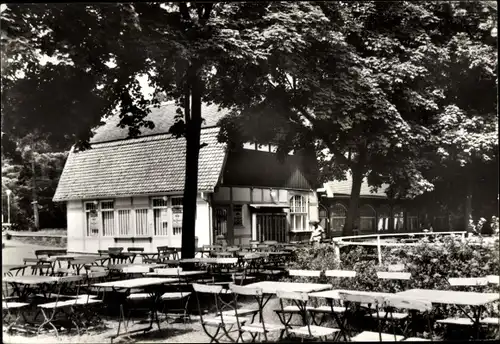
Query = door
x=220 y=222
x=272 y=227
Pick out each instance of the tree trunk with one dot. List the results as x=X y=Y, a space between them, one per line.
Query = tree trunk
x=352 y=212
x=34 y=196
x=468 y=206
x=193 y=132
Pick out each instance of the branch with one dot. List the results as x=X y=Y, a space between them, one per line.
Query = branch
x=338 y=154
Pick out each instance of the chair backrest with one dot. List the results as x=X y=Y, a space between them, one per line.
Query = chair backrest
x=135 y=249
x=41 y=253
x=393 y=275
x=292 y=295
x=305 y=273
x=340 y=273
x=102 y=252
x=493 y=279
x=115 y=249
x=396 y=267
x=408 y=303
x=207 y=288
x=361 y=298
x=468 y=281
x=248 y=291
x=168 y=271
x=161 y=249
x=225 y=260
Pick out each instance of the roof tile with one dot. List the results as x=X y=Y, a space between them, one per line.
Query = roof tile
x=140 y=166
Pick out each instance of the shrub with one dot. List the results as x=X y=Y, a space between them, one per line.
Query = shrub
x=430 y=264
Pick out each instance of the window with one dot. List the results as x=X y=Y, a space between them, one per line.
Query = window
x=124 y=222
x=108 y=218
x=141 y=222
x=398 y=218
x=412 y=221
x=160 y=214
x=384 y=214
x=237 y=215
x=298 y=213
x=366 y=218
x=92 y=219
x=339 y=213
x=177 y=215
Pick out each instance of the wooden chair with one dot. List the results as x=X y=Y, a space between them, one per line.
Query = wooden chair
x=462 y=283
x=353 y=300
x=307 y=329
x=220 y=322
x=181 y=295
x=294 y=309
x=61 y=304
x=332 y=308
x=414 y=306
x=255 y=329
x=12 y=308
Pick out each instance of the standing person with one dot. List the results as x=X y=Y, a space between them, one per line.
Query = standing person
x=317 y=233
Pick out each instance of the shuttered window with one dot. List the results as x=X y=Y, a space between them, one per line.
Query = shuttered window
x=124 y=222
x=160 y=214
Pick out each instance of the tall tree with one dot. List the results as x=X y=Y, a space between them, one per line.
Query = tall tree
x=374 y=93
x=187 y=50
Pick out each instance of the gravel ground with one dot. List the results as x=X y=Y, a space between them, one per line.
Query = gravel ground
x=173 y=333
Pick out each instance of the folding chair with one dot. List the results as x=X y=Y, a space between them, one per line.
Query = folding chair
x=219 y=321
x=51 y=309
x=180 y=295
x=256 y=329
x=332 y=308
x=356 y=299
x=309 y=330
x=414 y=306
x=466 y=283
x=294 y=309
x=11 y=307
x=88 y=305
x=398 y=277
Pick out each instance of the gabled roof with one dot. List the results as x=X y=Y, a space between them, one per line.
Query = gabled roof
x=141 y=166
x=162 y=117
x=343 y=188
x=262 y=169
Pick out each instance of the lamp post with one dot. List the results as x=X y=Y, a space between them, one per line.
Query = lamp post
x=8 y=192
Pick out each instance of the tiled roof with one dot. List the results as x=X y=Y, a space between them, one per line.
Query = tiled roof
x=343 y=187
x=140 y=166
x=162 y=117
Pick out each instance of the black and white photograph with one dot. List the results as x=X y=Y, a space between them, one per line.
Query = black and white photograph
x=250 y=171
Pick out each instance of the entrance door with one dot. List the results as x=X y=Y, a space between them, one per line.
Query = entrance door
x=272 y=227
x=220 y=222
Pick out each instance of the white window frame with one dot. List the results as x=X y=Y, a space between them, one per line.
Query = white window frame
x=174 y=233
x=101 y=211
x=371 y=218
x=335 y=216
x=135 y=217
x=87 y=233
x=303 y=214
x=169 y=217
x=130 y=223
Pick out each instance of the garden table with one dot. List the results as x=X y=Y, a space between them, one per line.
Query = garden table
x=270 y=287
x=8 y=269
x=477 y=301
x=22 y=285
x=152 y=285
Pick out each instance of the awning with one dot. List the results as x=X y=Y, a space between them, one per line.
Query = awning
x=269 y=205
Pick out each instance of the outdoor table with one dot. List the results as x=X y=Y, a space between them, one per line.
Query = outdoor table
x=477 y=301
x=334 y=294
x=185 y=275
x=153 y=285
x=270 y=287
x=8 y=269
x=23 y=285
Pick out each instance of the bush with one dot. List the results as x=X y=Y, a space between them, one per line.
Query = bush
x=430 y=264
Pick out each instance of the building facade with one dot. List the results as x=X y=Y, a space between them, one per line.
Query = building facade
x=128 y=192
